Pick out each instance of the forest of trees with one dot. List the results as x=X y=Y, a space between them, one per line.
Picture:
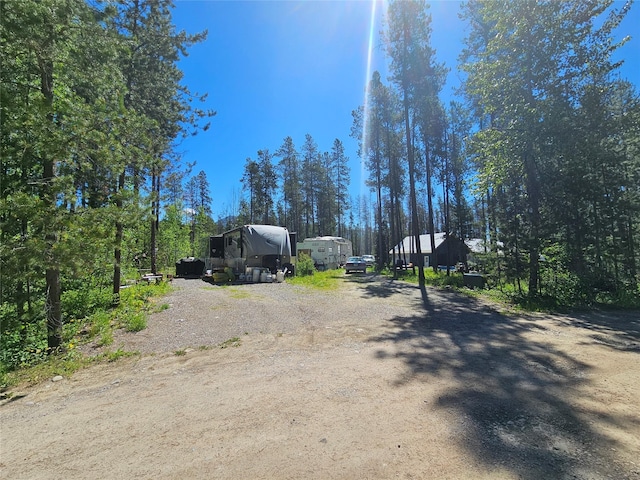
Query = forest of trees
x=539 y=155
x=311 y=188
x=92 y=106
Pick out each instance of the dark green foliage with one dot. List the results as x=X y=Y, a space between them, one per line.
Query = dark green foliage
x=259 y=180
x=22 y=344
x=305 y=265
x=91 y=104
x=289 y=172
x=81 y=302
x=554 y=151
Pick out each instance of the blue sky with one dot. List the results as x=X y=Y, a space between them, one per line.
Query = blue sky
x=287 y=68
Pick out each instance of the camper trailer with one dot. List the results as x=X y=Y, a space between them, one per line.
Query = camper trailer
x=326 y=252
x=250 y=248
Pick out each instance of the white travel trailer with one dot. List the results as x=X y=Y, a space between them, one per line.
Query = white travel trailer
x=326 y=252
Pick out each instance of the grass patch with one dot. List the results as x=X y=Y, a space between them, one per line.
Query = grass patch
x=161 y=308
x=26 y=359
x=115 y=355
x=100 y=325
x=435 y=279
x=327 y=280
x=64 y=364
x=60 y=364
x=239 y=293
x=509 y=296
x=135 y=322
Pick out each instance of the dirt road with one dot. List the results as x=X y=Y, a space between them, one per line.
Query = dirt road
x=376 y=381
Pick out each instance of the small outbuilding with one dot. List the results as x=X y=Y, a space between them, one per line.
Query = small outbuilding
x=449 y=250
x=480 y=250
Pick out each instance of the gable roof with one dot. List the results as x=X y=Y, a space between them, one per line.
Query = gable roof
x=477 y=245
x=480 y=245
x=407 y=245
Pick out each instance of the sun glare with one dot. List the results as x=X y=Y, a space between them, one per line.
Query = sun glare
x=365 y=132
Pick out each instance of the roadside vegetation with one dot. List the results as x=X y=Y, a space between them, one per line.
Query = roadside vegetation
x=560 y=292
x=308 y=276
x=89 y=318
x=559 y=289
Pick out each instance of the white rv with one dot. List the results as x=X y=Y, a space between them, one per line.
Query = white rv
x=326 y=252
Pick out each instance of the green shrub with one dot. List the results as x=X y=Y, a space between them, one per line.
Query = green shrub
x=23 y=346
x=441 y=279
x=135 y=322
x=87 y=315
x=84 y=302
x=622 y=297
x=305 y=265
x=116 y=355
x=99 y=322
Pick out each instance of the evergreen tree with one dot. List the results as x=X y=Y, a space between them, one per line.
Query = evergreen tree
x=289 y=170
x=268 y=179
x=309 y=185
x=417 y=80
x=340 y=180
x=259 y=180
x=326 y=195
x=251 y=183
x=154 y=90
x=204 y=197
x=538 y=71
x=458 y=130
x=61 y=90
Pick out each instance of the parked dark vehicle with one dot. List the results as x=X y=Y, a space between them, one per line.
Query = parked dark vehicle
x=355 y=264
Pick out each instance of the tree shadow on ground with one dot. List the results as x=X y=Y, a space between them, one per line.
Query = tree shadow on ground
x=512 y=405
x=619 y=330
x=375 y=285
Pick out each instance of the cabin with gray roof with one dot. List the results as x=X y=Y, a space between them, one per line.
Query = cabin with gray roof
x=449 y=250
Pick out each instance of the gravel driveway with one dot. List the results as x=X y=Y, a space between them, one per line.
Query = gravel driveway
x=375 y=380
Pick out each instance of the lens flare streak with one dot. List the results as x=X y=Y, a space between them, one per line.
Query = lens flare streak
x=366 y=96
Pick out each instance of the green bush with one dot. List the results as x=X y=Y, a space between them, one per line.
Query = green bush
x=135 y=322
x=625 y=298
x=304 y=265
x=441 y=279
x=100 y=326
x=23 y=346
x=87 y=315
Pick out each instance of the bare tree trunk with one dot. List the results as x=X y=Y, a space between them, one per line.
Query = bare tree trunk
x=117 y=253
x=432 y=236
x=155 y=204
x=52 y=272
x=533 y=190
